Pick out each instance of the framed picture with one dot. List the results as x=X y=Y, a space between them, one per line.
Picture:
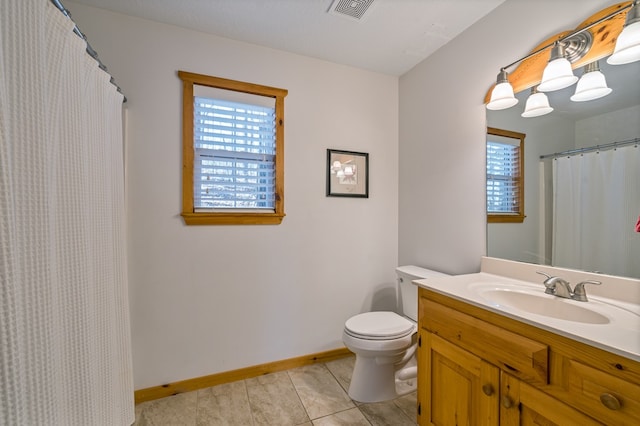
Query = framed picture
x=347 y=174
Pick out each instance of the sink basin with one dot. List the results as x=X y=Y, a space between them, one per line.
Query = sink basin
x=544 y=304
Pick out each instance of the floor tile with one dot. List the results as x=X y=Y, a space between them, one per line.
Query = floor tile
x=385 y=413
x=224 y=405
x=274 y=400
x=342 y=369
x=409 y=405
x=176 y=410
x=138 y=411
x=406 y=387
x=319 y=391
x=314 y=395
x=352 y=417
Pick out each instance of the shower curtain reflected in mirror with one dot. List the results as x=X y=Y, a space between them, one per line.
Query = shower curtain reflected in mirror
x=596 y=204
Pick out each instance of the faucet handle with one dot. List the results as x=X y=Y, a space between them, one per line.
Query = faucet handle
x=579 y=292
x=549 y=283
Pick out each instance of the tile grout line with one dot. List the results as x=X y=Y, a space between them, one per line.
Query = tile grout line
x=342 y=411
x=346 y=391
x=195 y=417
x=298 y=395
x=339 y=384
x=246 y=391
x=355 y=403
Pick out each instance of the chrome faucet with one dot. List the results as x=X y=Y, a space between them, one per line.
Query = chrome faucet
x=556 y=286
x=561 y=288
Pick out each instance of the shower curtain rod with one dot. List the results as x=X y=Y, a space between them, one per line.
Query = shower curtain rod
x=592 y=148
x=90 y=50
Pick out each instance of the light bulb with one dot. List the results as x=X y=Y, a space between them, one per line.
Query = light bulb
x=592 y=85
x=502 y=95
x=627 y=48
x=537 y=105
x=558 y=73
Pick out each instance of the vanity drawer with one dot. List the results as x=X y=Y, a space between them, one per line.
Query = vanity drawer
x=605 y=397
x=522 y=357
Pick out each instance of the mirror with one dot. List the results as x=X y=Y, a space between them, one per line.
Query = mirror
x=573 y=126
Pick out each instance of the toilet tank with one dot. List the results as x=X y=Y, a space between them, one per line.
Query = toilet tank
x=408 y=292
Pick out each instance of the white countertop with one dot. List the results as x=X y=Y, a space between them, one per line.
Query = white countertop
x=620 y=335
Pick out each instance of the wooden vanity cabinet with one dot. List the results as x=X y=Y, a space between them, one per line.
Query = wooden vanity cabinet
x=476 y=367
x=523 y=404
x=463 y=387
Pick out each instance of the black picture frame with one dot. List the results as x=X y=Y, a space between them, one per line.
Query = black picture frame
x=347 y=174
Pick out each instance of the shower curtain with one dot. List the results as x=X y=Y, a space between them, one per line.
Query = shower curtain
x=64 y=323
x=596 y=205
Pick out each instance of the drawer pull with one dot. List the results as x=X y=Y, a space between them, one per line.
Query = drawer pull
x=507 y=402
x=610 y=401
x=487 y=389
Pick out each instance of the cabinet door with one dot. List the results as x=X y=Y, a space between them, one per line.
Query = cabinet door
x=455 y=386
x=522 y=405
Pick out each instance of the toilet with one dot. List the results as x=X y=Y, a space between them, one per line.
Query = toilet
x=385 y=343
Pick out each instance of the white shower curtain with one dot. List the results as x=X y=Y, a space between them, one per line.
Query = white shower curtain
x=596 y=205
x=64 y=323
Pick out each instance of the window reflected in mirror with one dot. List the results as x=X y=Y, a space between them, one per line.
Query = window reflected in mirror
x=505 y=176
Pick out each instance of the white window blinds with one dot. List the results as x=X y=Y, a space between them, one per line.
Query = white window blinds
x=503 y=175
x=234 y=155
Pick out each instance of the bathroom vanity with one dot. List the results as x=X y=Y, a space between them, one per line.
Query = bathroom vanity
x=495 y=349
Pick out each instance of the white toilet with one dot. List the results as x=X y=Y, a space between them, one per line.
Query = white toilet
x=385 y=343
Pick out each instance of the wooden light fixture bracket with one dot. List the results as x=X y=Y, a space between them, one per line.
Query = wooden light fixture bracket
x=604 y=35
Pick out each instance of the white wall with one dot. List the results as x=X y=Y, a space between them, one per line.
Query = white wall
x=442 y=130
x=216 y=298
x=614 y=126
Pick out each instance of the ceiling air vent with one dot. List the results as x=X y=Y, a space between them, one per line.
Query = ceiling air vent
x=354 y=9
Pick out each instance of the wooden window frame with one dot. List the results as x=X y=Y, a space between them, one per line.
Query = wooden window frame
x=190 y=216
x=510 y=217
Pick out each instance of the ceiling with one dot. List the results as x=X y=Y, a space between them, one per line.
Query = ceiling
x=391 y=37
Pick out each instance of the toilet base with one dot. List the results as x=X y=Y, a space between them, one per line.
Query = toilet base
x=373 y=382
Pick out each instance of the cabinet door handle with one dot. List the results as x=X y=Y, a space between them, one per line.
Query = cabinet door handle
x=610 y=401
x=507 y=402
x=487 y=389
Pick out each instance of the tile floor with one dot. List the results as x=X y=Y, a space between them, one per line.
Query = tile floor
x=314 y=395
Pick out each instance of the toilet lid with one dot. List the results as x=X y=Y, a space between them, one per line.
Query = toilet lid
x=379 y=325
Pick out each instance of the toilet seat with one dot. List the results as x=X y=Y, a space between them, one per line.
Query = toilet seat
x=379 y=326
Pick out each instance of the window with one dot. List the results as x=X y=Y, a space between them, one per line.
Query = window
x=233 y=146
x=505 y=176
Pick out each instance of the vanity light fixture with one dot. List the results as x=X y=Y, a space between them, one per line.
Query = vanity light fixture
x=558 y=73
x=592 y=84
x=565 y=50
x=627 y=48
x=502 y=96
x=537 y=104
